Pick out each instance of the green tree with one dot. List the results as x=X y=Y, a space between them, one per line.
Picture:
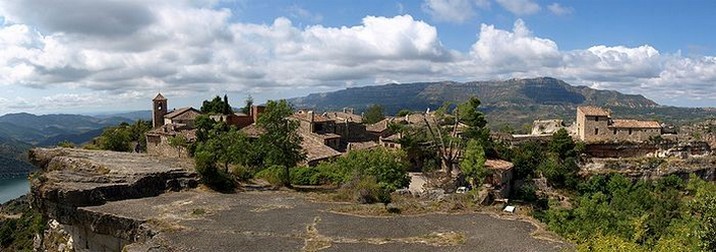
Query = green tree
x=178 y=142
x=388 y=167
x=703 y=207
x=469 y=114
x=281 y=144
x=563 y=144
x=216 y=106
x=247 y=108
x=403 y=112
x=473 y=164
x=66 y=144
x=373 y=114
x=115 y=139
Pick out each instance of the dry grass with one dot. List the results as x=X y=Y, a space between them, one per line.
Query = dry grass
x=408 y=205
x=265 y=208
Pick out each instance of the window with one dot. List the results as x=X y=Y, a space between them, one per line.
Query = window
x=596 y=118
x=630 y=132
x=596 y=131
x=615 y=131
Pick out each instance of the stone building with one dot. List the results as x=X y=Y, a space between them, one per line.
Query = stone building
x=318 y=128
x=183 y=116
x=594 y=124
x=179 y=122
x=499 y=177
x=159 y=109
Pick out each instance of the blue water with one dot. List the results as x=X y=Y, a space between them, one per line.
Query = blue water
x=12 y=188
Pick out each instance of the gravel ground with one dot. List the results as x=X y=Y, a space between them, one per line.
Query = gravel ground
x=287 y=221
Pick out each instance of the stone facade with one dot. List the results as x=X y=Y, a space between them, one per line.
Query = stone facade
x=182 y=116
x=595 y=124
x=159 y=109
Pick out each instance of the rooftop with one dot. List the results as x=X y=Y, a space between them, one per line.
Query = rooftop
x=159 y=97
x=627 y=123
x=180 y=111
x=306 y=116
x=496 y=164
x=593 y=111
x=343 y=116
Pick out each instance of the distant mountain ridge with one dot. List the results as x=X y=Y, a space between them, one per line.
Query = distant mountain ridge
x=21 y=131
x=513 y=102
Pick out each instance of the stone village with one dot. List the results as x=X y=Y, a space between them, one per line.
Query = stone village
x=330 y=134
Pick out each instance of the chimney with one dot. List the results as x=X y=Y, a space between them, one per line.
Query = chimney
x=345 y=110
x=310 y=116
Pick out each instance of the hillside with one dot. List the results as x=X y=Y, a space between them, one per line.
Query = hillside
x=514 y=102
x=21 y=131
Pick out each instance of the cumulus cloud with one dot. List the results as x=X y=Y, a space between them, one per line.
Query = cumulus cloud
x=86 y=17
x=519 y=50
x=520 y=7
x=456 y=11
x=190 y=49
x=560 y=10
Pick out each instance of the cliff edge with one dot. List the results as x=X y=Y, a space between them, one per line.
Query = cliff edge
x=71 y=179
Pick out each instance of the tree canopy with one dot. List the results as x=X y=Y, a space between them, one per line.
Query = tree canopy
x=216 y=106
x=281 y=144
x=373 y=114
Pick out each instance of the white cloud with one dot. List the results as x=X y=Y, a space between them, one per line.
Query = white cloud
x=520 y=7
x=560 y=10
x=298 y=12
x=517 y=51
x=456 y=11
x=193 y=50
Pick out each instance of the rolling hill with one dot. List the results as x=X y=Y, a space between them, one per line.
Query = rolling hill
x=21 y=131
x=514 y=102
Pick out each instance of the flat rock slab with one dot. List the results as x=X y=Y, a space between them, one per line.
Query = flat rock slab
x=196 y=220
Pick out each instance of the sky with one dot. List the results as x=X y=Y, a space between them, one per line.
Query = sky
x=89 y=56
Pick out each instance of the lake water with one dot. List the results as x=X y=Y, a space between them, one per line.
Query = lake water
x=12 y=188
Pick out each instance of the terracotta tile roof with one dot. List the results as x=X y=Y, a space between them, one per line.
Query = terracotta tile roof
x=343 y=116
x=159 y=97
x=380 y=126
x=626 y=123
x=316 y=150
x=362 y=145
x=328 y=136
x=180 y=111
x=593 y=111
x=392 y=138
x=253 y=130
x=496 y=164
x=305 y=116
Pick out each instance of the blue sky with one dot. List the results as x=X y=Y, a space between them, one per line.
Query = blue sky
x=81 y=56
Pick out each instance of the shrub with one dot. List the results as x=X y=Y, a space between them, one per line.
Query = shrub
x=242 y=173
x=274 y=174
x=210 y=175
x=364 y=190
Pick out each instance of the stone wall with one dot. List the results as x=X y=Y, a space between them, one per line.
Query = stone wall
x=159 y=146
x=71 y=181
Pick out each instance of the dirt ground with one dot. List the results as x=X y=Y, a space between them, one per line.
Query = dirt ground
x=289 y=221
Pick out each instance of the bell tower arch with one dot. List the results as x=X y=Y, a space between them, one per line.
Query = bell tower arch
x=159 y=109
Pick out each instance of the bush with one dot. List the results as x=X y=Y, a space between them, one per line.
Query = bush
x=323 y=174
x=210 y=175
x=304 y=176
x=364 y=190
x=274 y=174
x=242 y=173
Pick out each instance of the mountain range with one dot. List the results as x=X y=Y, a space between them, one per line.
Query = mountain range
x=513 y=102
x=21 y=131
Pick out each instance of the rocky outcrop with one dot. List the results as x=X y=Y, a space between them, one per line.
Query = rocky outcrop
x=72 y=179
x=655 y=167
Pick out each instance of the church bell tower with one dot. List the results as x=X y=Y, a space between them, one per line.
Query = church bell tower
x=159 y=109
